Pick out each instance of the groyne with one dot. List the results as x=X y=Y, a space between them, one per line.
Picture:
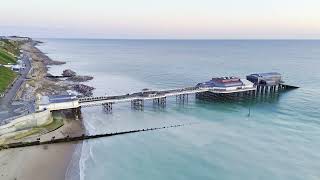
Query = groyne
x=81 y=138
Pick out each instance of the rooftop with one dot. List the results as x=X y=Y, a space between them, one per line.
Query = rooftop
x=61 y=98
x=57 y=99
x=266 y=74
x=222 y=82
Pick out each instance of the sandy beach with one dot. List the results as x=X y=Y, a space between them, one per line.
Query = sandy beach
x=36 y=163
x=41 y=162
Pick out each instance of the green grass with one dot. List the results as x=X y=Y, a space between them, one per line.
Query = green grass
x=6 y=57
x=6 y=77
x=10 y=46
x=26 y=133
x=8 y=51
x=55 y=124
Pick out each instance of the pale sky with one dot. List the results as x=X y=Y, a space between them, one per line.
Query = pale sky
x=164 y=19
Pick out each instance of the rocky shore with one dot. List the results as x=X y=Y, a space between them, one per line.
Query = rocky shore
x=43 y=83
x=72 y=76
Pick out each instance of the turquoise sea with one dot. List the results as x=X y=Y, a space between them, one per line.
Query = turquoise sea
x=280 y=140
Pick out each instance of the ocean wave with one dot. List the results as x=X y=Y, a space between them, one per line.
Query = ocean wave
x=72 y=172
x=83 y=159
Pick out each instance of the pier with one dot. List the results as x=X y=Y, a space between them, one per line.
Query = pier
x=254 y=85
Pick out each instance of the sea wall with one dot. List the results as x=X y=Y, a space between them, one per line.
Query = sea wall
x=27 y=122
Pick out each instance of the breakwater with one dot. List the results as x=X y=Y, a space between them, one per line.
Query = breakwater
x=81 y=138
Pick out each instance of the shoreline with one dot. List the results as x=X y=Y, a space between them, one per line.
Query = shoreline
x=30 y=158
x=39 y=78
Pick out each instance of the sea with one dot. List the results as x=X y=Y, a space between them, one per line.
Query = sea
x=270 y=138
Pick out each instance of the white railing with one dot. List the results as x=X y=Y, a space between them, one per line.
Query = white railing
x=95 y=101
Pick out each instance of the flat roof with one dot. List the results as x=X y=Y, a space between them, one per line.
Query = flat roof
x=265 y=74
x=44 y=100
x=61 y=98
x=222 y=82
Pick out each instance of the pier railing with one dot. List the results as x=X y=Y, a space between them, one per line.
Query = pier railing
x=137 y=99
x=148 y=95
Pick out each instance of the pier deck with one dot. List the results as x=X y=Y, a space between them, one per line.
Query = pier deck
x=224 y=86
x=94 y=101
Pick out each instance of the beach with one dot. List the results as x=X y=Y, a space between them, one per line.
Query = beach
x=36 y=163
x=41 y=162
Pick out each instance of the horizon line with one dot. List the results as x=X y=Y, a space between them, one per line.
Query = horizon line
x=186 y=39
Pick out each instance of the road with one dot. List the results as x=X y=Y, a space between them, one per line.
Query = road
x=6 y=107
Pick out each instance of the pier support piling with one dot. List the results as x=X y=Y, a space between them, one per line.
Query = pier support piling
x=76 y=112
x=137 y=104
x=107 y=107
x=182 y=98
x=160 y=101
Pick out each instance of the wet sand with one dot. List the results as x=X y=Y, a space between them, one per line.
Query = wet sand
x=36 y=163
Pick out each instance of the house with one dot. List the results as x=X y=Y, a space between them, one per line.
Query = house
x=18 y=38
x=17 y=67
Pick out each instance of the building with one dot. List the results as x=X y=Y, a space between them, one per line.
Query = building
x=57 y=102
x=226 y=84
x=221 y=82
x=270 y=79
x=17 y=68
x=18 y=38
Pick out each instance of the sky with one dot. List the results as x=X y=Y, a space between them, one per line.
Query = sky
x=162 y=19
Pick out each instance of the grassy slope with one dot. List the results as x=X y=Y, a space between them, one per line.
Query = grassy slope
x=6 y=58
x=55 y=124
x=8 y=51
x=6 y=77
x=10 y=46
